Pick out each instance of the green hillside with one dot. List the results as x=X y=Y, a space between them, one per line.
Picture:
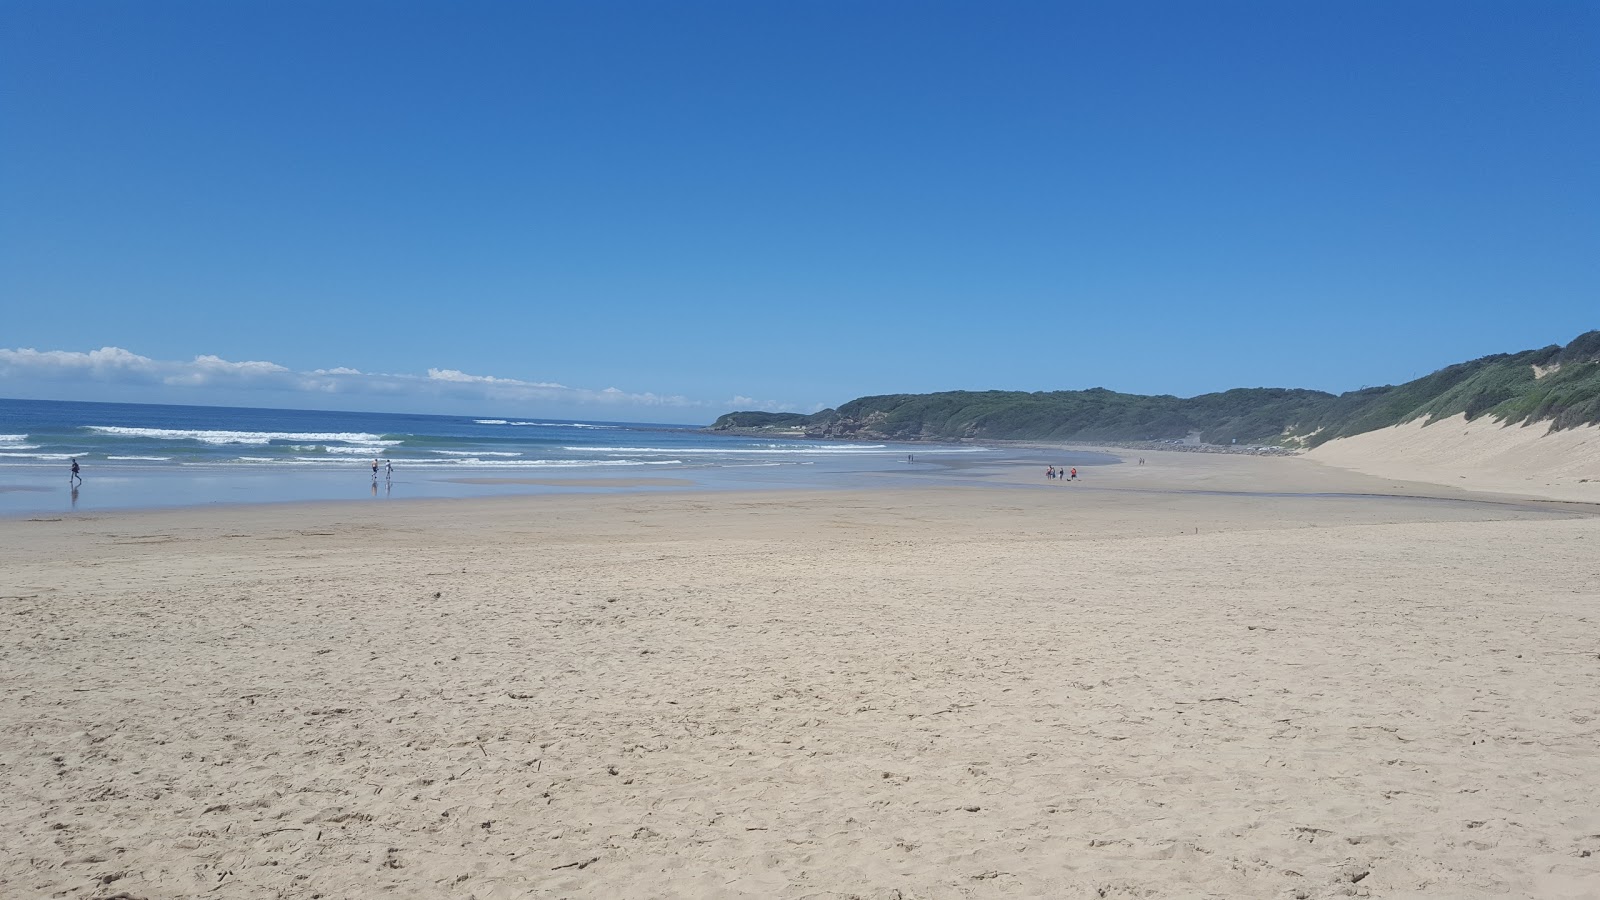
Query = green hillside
x=1559 y=385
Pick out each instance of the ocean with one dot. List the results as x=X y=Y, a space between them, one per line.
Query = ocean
x=143 y=455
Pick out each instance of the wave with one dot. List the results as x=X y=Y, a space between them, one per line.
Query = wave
x=539 y=463
x=148 y=458
x=41 y=455
x=243 y=437
x=368 y=450
x=766 y=450
x=475 y=452
x=474 y=462
x=12 y=438
x=544 y=424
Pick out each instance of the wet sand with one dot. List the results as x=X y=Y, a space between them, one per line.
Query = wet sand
x=1205 y=676
x=578 y=482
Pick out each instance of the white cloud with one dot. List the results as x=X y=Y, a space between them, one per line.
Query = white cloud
x=218 y=364
x=213 y=370
x=70 y=362
x=741 y=403
x=462 y=377
x=113 y=366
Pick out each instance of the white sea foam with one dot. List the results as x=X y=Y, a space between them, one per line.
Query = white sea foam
x=12 y=438
x=541 y=463
x=40 y=455
x=475 y=452
x=475 y=463
x=244 y=437
x=148 y=458
x=365 y=450
x=768 y=450
x=793 y=450
x=544 y=424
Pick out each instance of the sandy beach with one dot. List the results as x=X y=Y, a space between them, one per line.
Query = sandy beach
x=1205 y=676
x=1483 y=455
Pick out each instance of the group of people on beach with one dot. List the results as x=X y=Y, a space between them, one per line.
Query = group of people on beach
x=1063 y=472
x=388 y=470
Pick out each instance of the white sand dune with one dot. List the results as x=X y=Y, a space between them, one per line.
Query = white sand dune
x=1119 y=688
x=1482 y=455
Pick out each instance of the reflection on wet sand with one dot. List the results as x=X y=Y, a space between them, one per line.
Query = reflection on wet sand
x=577 y=482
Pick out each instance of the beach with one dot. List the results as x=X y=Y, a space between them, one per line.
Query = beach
x=1205 y=676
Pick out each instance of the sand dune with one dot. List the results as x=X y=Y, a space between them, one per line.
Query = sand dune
x=1481 y=455
x=1109 y=689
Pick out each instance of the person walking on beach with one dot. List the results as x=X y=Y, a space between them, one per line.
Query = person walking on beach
x=1050 y=472
x=374 y=470
x=75 y=476
x=1074 y=473
x=388 y=470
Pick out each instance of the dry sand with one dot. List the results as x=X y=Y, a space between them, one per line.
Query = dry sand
x=1143 y=685
x=1483 y=455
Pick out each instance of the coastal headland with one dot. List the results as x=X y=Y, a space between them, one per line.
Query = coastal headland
x=1526 y=422
x=1206 y=675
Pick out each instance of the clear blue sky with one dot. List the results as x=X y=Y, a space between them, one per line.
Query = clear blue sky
x=707 y=205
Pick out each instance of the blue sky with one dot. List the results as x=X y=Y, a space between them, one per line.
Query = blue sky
x=663 y=211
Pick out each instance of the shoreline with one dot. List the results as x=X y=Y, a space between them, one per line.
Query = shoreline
x=1161 y=680
x=1230 y=474
x=140 y=487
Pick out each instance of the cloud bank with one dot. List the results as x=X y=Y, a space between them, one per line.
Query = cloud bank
x=114 y=366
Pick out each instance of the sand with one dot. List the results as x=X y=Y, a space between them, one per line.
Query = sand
x=1147 y=684
x=1482 y=455
x=578 y=482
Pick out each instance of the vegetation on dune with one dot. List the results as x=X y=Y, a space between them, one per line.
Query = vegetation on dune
x=1555 y=384
x=770 y=420
x=1559 y=385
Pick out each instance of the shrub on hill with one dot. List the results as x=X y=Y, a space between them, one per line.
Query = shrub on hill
x=1555 y=384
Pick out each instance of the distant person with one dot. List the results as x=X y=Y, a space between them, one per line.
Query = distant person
x=374 y=470
x=1074 y=473
x=388 y=470
x=1050 y=472
x=76 y=475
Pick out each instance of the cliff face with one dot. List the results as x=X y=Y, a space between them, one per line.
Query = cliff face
x=867 y=427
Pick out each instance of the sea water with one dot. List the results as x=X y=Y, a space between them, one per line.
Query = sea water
x=143 y=455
